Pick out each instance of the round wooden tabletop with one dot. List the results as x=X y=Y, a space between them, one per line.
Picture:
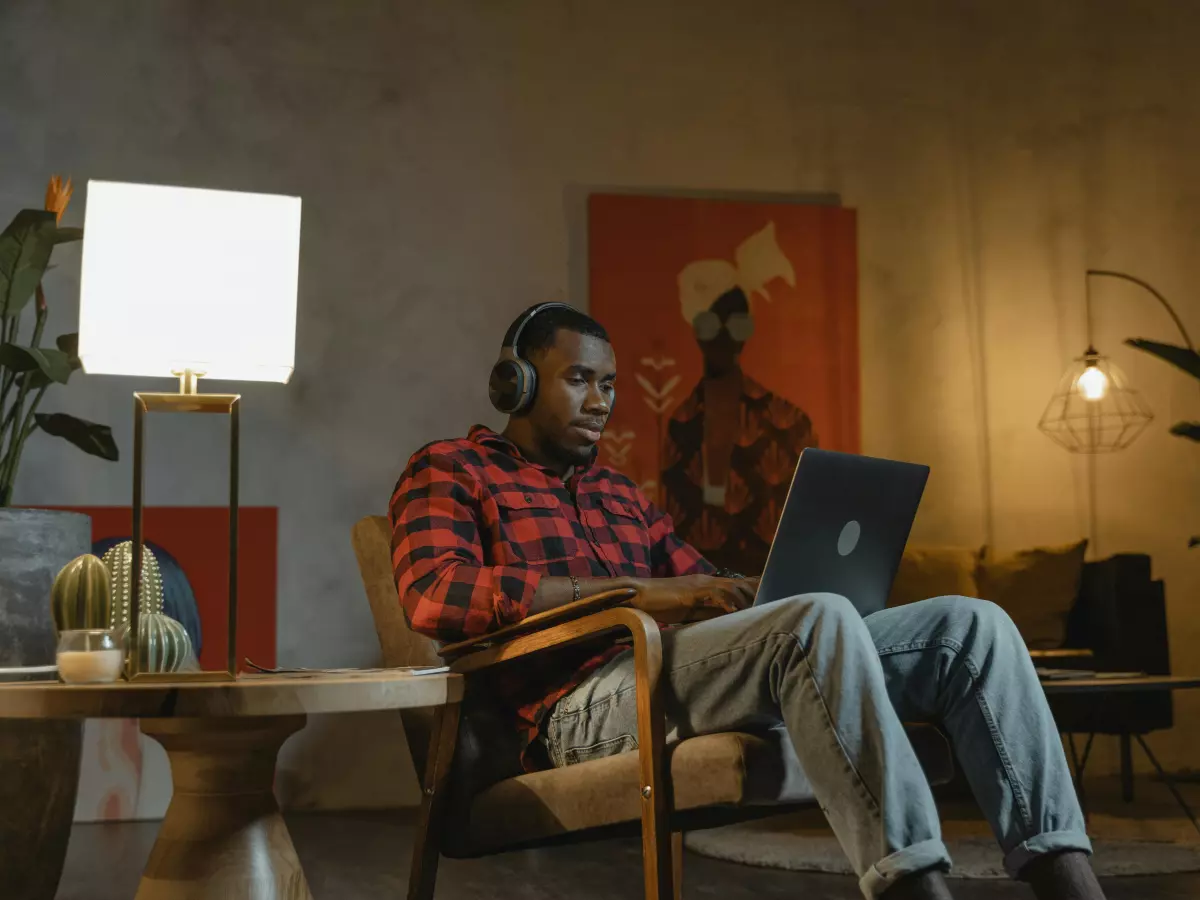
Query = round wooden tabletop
x=249 y=695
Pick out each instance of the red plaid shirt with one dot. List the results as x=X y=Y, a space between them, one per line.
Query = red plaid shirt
x=475 y=527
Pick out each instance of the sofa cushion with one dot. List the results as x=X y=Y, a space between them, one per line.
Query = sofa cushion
x=935 y=572
x=731 y=769
x=1037 y=588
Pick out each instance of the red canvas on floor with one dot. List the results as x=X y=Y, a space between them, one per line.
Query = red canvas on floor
x=198 y=538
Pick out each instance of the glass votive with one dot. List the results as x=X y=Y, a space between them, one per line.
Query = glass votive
x=90 y=656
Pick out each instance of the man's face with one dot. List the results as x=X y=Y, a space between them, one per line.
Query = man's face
x=575 y=392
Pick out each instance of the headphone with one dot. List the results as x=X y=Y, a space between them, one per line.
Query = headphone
x=513 y=381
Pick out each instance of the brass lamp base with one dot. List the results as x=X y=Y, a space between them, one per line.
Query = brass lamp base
x=188 y=400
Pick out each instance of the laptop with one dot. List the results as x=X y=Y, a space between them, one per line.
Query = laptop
x=844 y=526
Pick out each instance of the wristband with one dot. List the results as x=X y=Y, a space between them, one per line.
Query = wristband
x=574 y=587
x=729 y=573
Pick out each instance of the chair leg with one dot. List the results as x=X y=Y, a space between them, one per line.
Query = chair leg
x=1126 y=770
x=677 y=862
x=427 y=842
x=657 y=864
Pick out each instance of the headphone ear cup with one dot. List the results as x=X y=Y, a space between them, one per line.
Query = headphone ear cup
x=512 y=385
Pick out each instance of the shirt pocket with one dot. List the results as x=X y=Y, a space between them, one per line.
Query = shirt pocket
x=533 y=528
x=622 y=533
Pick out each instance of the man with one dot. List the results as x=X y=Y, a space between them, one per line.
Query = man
x=495 y=527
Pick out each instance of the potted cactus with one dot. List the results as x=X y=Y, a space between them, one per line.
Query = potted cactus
x=39 y=760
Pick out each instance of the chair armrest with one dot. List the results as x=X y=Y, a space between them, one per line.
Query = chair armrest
x=640 y=626
x=651 y=725
x=540 y=621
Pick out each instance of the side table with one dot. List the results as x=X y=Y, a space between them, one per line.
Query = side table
x=222 y=835
x=1099 y=684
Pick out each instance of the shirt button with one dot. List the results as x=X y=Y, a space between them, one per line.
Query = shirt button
x=529 y=498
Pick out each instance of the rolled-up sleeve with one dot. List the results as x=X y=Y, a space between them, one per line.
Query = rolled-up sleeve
x=446 y=588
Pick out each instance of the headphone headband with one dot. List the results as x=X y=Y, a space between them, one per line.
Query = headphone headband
x=541 y=307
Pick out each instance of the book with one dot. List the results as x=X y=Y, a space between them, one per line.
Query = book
x=350 y=673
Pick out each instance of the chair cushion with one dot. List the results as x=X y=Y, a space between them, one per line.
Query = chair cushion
x=731 y=770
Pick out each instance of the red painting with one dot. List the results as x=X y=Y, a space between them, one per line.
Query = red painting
x=198 y=538
x=735 y=325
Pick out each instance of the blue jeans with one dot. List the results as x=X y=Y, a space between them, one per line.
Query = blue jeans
x=841 y=685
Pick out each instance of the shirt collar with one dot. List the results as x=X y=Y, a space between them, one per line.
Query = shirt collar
x=486 y=437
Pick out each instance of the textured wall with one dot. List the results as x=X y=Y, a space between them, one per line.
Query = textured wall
x=993 y=150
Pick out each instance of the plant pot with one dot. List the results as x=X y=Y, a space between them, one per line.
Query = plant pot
x=39 y=759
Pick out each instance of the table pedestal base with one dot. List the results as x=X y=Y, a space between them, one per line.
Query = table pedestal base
x=222 y=837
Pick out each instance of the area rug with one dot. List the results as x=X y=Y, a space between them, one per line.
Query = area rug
x=792 y=842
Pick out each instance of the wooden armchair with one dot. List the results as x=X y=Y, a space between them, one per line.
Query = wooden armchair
x=660 y=791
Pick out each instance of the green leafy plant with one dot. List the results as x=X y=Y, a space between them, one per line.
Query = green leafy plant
x=1188 y=360
x=27 y=370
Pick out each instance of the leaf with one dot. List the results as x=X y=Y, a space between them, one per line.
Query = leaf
x=67 y=235
x=1182 y=357
x=69 y=344
x=25 y=247
x=87 y=436
x=1190 y=430
x=54 y=365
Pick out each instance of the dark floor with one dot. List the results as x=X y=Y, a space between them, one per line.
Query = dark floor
x=366 y=856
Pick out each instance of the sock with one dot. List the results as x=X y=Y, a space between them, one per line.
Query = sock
x=1066 y=875
x=927 y=885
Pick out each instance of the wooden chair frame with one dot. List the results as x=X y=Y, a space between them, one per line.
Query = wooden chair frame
x=571 y=623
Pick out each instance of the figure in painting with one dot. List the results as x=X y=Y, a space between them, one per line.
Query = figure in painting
x=731 y=446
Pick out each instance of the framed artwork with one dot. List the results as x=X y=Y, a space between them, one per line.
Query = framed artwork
x=735 y=324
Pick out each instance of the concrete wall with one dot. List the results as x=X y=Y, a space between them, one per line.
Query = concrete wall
x=994 y=150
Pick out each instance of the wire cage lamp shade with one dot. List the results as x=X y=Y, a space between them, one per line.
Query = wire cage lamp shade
x=1094 y=410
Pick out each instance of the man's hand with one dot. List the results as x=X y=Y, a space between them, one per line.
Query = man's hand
x=690 y=598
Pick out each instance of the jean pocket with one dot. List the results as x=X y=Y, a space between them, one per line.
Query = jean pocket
x=600 y=749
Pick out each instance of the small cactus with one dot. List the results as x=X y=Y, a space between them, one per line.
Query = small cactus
x=82 y=595
x=163 y=644
x=119 y=560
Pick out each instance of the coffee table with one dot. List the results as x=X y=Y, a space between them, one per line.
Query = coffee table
x=1099 y=684
x=222 y=835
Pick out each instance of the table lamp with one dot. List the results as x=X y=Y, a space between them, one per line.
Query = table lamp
x=188 y=283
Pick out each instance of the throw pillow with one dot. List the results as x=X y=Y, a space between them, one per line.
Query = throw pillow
x=935 y=572
x=1037 y=588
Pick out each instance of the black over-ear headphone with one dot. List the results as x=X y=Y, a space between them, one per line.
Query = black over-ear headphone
x=513 y=381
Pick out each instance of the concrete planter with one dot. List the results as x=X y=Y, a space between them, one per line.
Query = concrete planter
x=39 y=760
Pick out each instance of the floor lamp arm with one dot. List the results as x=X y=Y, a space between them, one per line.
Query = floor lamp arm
x=1105 y=273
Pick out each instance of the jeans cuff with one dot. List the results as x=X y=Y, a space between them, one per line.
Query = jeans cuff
x=1046 y=842
x=929 y=854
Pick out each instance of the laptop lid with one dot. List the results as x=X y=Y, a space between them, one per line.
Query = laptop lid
x=844 y=526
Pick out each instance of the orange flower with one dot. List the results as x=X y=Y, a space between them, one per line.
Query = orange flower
x=58 y=195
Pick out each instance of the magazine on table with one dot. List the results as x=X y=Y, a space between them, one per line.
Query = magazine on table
x=301 y=671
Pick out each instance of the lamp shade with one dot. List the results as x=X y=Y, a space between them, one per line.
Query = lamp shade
x=184 y=278
x=1094 y=410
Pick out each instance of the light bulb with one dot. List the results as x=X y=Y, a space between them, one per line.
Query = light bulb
x=1093 y=384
